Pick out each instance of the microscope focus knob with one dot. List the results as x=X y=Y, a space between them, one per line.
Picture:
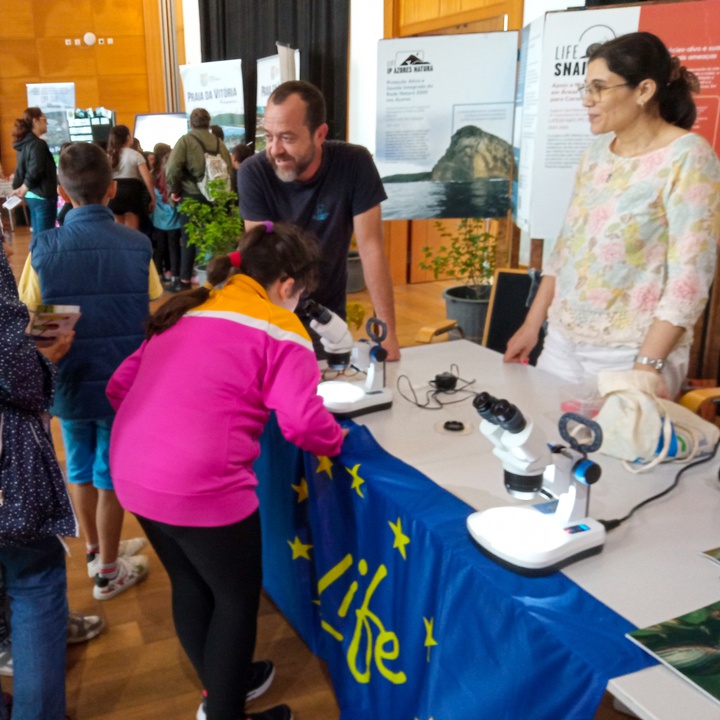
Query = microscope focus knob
x=586 y=472
x=378 y=354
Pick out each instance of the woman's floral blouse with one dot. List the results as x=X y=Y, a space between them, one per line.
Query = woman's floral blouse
x=639 y=242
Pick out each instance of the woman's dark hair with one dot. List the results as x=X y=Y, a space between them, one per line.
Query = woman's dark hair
x=642 y=56
x=267 y=256
x=24 y=125
x=116 y=142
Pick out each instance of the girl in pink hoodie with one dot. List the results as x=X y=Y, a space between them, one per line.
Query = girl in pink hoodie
x=191 y=405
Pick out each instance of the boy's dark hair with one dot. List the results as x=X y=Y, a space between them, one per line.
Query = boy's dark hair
x=199 y=118
x=315 y=112
x=241 y=152
x=84 y=173
x=217 y=131
x=284 y=252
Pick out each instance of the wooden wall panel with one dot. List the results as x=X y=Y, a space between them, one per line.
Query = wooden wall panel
x=126 y=56
x=113 y=18
x=62 y=18
x=63 y=63
x=126 y=94
x=17 y=19
x=18 y=58
x=125 y=76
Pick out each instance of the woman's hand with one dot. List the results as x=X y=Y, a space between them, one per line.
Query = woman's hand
x=151 y=206
x=58 y=349
x=521 y=344
x=20 y=192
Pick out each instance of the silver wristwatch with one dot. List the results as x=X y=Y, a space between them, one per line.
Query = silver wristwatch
x=654 y=363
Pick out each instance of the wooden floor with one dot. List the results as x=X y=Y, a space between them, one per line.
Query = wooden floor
x=136 y=669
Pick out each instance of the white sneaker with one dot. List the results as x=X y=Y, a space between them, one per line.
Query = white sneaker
x=127 y=548
x=6 y=659
x=131 y=570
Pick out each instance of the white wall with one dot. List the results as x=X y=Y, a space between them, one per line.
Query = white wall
x=191 y=20
x=366 y=28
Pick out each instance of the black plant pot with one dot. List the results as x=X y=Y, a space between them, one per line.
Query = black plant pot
x=468 y=304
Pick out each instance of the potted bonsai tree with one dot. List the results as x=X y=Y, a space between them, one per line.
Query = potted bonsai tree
x=214 y=228
x=469 y=256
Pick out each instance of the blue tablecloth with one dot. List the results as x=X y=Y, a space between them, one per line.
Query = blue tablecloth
x=372 y=564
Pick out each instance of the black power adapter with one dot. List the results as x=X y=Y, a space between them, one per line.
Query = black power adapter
x=445 y=381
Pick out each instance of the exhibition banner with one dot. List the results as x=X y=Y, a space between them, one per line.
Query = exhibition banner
x=217 y=87
x=562 y=133
x=57 y=101
x=445 y=125
x=269 y=76
x=372 y=564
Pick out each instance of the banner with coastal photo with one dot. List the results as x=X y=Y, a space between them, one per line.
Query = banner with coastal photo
x=445 y=124
x=217 y=87
x=562 y=132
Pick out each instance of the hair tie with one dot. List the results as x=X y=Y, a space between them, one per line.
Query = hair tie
x=679 y=72
x=269 y=227
x=234 y=259
x=208 y=285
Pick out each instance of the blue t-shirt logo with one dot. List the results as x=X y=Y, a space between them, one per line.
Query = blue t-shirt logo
x=320 y=212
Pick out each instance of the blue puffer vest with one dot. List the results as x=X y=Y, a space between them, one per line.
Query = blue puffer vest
x=103 y=267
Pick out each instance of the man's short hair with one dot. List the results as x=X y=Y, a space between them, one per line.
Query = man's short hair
x=315 y=112
x=199 y=118
x=84 y=172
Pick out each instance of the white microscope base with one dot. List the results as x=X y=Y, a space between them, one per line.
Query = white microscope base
x=531 y=542
x=347 y=400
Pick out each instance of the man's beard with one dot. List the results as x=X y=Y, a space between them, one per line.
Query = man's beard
x=290 y=174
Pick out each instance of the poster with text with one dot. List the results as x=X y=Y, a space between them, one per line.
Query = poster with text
x=217 y=87
x=269 y=76
x=57 y=101
x=691 y=31
x=445 y=125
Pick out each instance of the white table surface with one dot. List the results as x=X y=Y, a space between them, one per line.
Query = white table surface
x=650 y=569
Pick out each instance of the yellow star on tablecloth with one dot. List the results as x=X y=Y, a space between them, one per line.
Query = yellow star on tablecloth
x=299 y=549
x=357 y=480
x=302 y=490
x=401 y=540
x=324 y=465
x=429 y=639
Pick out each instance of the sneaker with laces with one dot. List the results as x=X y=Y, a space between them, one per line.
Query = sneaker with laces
x=262 y=674
x=6 y=659
x=127 y=548
x=131 y=570
x=82 y=628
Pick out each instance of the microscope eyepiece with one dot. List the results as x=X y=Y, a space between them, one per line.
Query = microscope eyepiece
x=508 y=417
x=483 y=403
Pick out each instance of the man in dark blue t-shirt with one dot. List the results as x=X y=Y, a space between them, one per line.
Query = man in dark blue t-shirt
x=328 y=187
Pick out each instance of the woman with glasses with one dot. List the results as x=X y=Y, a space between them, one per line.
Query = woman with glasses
x=630 y=272
x=35 y=178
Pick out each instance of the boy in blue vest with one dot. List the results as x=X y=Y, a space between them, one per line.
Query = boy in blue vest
x=106 y=269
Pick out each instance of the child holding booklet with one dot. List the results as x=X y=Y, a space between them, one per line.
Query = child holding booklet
x=191 y=405
x=107 y=270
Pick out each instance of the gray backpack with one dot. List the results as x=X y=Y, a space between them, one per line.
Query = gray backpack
x=215 y=169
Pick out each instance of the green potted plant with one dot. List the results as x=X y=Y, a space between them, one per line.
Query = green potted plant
x=214 y=228
x=470 y=257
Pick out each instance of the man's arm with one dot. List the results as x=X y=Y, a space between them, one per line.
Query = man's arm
x=371 y=246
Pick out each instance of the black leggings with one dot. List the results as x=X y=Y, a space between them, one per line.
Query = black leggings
x=216 y=577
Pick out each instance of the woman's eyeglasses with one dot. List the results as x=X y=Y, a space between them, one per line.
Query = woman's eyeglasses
x=594 y=90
